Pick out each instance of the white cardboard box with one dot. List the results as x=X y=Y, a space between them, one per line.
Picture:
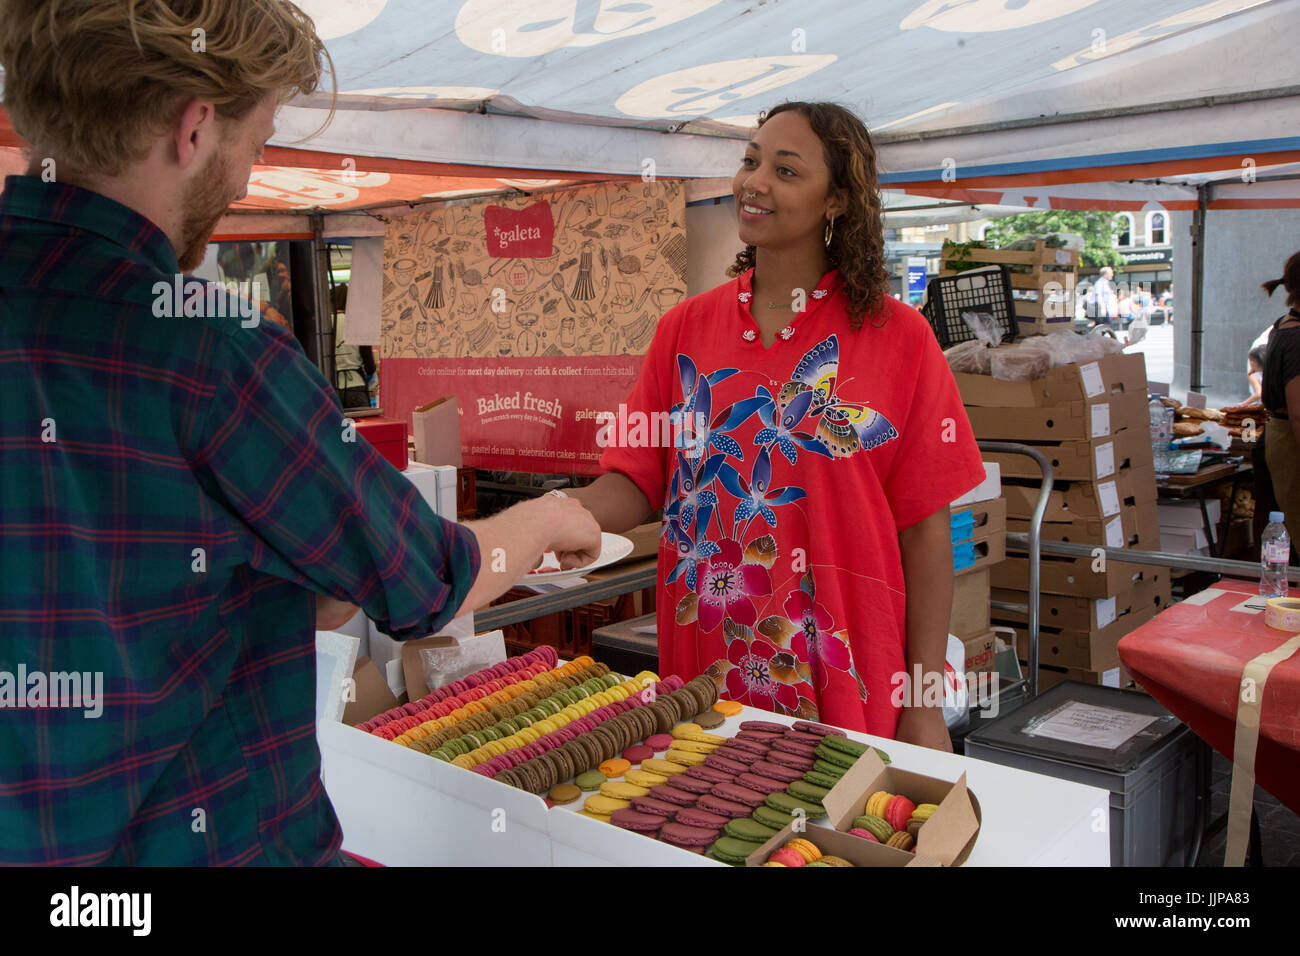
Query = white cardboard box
x=1184 y=541
x=1175 y=515
x=989 y=488
x=402 y=808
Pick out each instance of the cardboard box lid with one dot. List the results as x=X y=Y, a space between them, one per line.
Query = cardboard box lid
x=373 y=696
x=958 y=822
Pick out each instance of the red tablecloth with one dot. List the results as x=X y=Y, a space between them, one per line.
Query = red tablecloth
x=1190 y=658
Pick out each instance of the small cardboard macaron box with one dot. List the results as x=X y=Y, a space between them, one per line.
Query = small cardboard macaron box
x=946 y=839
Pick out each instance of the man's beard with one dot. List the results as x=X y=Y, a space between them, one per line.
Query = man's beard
x=201 y=210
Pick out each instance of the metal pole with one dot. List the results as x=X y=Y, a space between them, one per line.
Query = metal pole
x=1033 y=541
x=324 y=318
x=1248 y=570
x=1198 y=286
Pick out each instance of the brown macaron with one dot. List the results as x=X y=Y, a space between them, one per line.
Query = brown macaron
x=709 y=719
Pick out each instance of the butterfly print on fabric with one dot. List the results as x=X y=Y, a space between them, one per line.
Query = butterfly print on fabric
x=844 y=428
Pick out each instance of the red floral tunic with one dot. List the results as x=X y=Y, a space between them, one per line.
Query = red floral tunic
x=794 y=469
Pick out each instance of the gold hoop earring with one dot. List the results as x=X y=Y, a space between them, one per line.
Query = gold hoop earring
x=830 y=231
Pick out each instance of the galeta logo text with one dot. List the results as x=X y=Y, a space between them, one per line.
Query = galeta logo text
x=518 y=234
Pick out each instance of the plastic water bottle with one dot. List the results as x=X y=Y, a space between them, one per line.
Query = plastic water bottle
x=1156 y=412
x=1274 y=555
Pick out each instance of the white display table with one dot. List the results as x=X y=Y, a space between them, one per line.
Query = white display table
x=403 y=808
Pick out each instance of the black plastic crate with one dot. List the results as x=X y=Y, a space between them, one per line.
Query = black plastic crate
x=947 y=297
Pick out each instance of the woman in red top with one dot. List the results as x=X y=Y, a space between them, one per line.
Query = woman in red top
x=806 y=558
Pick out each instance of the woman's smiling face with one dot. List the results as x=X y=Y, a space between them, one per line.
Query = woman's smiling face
x=781 y=187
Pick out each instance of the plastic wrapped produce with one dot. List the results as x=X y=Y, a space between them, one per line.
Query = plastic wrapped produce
x=972 y=356
x=1022 y=362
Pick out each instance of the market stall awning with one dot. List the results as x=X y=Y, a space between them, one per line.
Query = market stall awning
x=1107 y=102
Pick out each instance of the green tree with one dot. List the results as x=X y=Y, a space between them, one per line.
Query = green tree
x=1097 y=228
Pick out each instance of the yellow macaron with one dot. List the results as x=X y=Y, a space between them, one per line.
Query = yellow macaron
x=877 y=802
x=599 y=803
x=622 y=790
x=684 y=757
x=644 y=778
x=665 y=767
x=694 y=746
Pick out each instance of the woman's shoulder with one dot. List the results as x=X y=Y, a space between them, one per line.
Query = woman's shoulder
x=899 y=318
x=702 y=303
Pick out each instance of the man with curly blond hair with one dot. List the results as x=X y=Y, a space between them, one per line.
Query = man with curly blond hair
x=182 y=503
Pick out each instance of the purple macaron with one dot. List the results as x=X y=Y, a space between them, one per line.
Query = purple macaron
x=655 y=806
x=672 y=795
x=764 y=785
x=637 y=821
x=692 y=785
x=724 y=807
x=794 y=747
x=711 y=774
x=765 y=769
x=811 y=740
x=750 y=745
x=679 y=834
x=695 y=817
x=790 y=761
x=764 y=726
x=738 y=794
x=723 y=764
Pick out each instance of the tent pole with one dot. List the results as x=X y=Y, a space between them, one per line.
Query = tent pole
x=324 y=312
x=1198 y=286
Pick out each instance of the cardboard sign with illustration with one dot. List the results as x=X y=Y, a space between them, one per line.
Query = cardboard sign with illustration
x=533 y=312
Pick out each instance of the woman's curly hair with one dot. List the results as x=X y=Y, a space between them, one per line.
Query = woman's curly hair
x=857 y=246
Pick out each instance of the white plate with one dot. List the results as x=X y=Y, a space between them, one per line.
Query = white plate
x=613 y=547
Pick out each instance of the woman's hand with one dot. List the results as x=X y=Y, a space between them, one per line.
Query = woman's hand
x=925 y=727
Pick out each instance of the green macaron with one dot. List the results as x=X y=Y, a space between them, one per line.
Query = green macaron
x=790 y=804
x=825 y=780
x=591 y=780
x=874 y=825
x=731 y=850
x=844 y=745
x=817 y=863
x=807 y=791
x=749 y=830
x=834 y=757
x=829 y=769
x=769 y=817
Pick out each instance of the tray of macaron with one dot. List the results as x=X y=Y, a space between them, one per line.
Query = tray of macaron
x=715 y=786
x=882 y=816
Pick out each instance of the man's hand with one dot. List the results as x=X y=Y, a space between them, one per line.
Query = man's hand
x=925 y=727
x=576 y=540
x=332 y=614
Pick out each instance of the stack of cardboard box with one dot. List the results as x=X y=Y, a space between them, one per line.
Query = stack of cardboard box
x=1090 y=420
x=979 y=542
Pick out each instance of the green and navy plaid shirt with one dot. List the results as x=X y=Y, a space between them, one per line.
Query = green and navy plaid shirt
x=172 y=492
